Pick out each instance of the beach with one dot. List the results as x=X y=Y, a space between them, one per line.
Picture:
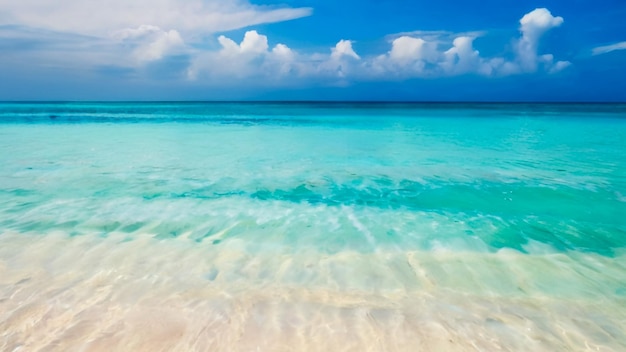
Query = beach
x=312 y=226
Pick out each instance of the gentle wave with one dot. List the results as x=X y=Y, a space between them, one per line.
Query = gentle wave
x=417 y=216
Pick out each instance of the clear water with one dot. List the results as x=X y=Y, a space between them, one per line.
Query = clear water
x=453 y=226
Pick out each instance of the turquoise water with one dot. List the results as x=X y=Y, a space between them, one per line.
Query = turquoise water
x=496 y=176
x=513 y=201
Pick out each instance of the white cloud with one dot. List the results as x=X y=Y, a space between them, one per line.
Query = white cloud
x=283 y=58
x=413 y=54
x=282 y=51
x=559 y=66
x=254 y=43
x=151 y=42
x=608 y=48
x=253 y=60
x=436 y=53
x=406 y=49
x=341 y=63
x=98 y=18
x=137 y=39
x=249 y=59
x=164 y=43
x=343 y=48
x=408 y=57
x=533 y=25
x=462 y=57
x=229 y=46
x=128 y=33
x=134 y=33
x=436 y=36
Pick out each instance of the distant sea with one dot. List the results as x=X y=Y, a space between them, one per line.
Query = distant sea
x=312 y=226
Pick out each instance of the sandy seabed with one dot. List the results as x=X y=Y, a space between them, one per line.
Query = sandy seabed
x=92 y=293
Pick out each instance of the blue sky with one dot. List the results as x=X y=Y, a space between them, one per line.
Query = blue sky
x=490 y=50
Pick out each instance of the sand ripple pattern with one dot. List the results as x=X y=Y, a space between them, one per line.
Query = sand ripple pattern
x=174 y=295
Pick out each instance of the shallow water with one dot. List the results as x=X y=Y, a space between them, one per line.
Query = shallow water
x=197 y=226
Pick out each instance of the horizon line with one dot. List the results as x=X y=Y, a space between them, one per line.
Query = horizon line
x=310 y=102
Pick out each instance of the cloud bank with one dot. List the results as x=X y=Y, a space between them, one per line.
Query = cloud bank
x=411 y=55
x=151 y=34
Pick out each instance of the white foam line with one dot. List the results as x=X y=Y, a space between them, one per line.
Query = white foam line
x=359 y=226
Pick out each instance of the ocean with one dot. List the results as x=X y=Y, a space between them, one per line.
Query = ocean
x=312 y=226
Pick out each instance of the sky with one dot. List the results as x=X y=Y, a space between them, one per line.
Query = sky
x=385 y=50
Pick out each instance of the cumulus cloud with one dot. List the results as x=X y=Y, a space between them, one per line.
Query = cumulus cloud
x=283 y=51
x=535 y=23
x=406 y=49
x=533 y=26
x=411 y=54
x=343 y=48
x=254 y=43
x=436 y=53
x=608 y=48
x=462 y=57
x=408 y=56
x=248 y=59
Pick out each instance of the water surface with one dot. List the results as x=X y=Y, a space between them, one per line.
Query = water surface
x=312 y=226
